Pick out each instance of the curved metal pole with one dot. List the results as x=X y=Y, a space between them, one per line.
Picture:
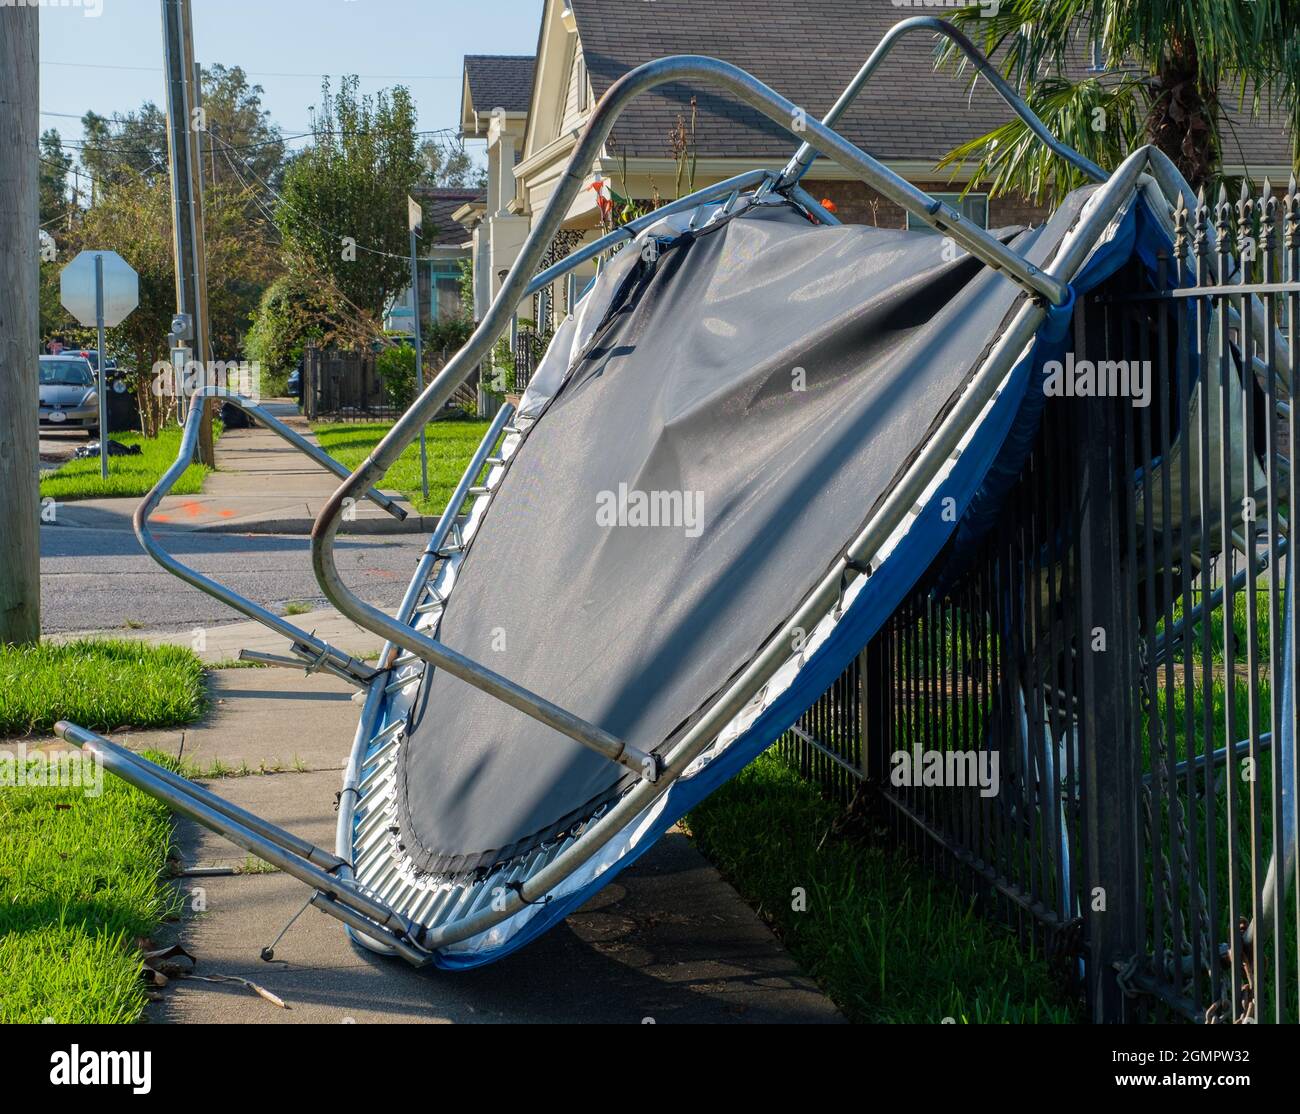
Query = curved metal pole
x=803 y=159
x=335 y=660
x=682 y=68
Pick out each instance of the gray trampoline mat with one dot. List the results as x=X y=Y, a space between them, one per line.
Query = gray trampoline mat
x=776 y=376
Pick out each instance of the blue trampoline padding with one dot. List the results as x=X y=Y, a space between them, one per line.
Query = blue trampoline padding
x=977 y=484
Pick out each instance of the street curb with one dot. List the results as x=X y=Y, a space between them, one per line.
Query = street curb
x=412 y=524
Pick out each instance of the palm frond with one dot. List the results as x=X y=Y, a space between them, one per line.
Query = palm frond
x=1099 y=118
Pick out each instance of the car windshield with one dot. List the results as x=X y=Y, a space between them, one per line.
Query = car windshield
x=66 y=373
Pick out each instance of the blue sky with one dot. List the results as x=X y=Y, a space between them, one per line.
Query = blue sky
x=416 y=43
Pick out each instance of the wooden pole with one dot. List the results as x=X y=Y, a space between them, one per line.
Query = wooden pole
x=20 y=552
x=185 y=163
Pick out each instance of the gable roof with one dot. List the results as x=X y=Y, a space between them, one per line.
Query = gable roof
x=499 y=81
x=441 y=229
x=809 y=52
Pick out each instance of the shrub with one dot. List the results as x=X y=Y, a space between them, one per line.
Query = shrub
x=395 y=367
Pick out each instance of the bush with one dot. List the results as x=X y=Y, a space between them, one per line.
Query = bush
x=395 y=367
x=287 y=318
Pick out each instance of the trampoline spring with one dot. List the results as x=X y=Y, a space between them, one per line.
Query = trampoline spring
x=475 y=492
x=377 y=756
x=495 y=461
x=429 y=897
x=388 y=732
x=374 y=849
x=401 y=683
x=380 y=880
x=442 y=905
x=368 y=778
x=405 y=659
x=363 y=846
x=393 y=886
x=428 y=606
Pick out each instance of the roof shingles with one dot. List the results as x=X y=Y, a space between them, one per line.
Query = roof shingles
x=808 y=53
x=500 y=81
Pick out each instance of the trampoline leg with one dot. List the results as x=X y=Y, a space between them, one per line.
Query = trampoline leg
x=311 y=865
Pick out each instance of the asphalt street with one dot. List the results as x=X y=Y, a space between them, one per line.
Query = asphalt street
x=55 y=448
x=101 y=579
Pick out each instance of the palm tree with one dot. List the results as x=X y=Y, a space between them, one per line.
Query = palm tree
x=1161 y=71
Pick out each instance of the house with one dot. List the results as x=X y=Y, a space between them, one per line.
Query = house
x=495 y=100
x=443 y=252
x=907 y=117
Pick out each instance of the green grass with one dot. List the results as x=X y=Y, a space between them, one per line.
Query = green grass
x=79 y=884
x=127 y=475
x=888 y=942
x=1239 y=626
x=450 y=446
x=99 y=685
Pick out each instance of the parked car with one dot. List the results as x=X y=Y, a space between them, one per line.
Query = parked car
x=69 y=397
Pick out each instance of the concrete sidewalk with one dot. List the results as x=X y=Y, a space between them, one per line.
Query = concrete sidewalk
x=222 y=643
x=669 y=941
x=263 y=485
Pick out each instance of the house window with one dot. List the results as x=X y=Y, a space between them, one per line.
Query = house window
x=582 y=96
x=445 y=294
x=974 y=207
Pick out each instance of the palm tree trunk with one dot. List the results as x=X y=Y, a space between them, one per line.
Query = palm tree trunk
x=1183 y=117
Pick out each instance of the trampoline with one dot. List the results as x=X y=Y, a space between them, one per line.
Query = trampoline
x=756 y=430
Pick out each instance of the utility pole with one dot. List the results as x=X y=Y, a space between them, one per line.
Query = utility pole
x=184 y=156
x=20 y=550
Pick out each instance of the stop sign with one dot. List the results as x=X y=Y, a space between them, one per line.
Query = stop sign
x=121 y=288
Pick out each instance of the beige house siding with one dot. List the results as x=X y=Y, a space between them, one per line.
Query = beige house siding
x=578 y=97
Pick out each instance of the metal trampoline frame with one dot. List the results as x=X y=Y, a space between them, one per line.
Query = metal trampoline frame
x=372 y=905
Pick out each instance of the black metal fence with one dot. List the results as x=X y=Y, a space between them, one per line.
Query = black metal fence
x=530 y=347
x=1086 y=716
x=343 y=385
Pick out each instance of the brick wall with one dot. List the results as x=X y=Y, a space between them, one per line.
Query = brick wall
x=857 y=203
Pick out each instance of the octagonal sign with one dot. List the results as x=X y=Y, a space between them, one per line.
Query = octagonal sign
x=121 y=288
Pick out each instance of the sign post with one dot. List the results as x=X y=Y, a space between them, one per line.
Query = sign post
x=99 y=364
x=99 y=288
x=414 y=219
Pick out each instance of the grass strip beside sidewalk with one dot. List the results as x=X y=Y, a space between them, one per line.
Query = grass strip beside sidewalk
x=100 y=685
x=450 y=446
x=128 y=476
x=80 y=884
x=888 y=942
x=82 y=853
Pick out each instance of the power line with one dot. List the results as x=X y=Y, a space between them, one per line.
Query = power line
x=272 y=73
x=284 y=201
x=280 y=140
